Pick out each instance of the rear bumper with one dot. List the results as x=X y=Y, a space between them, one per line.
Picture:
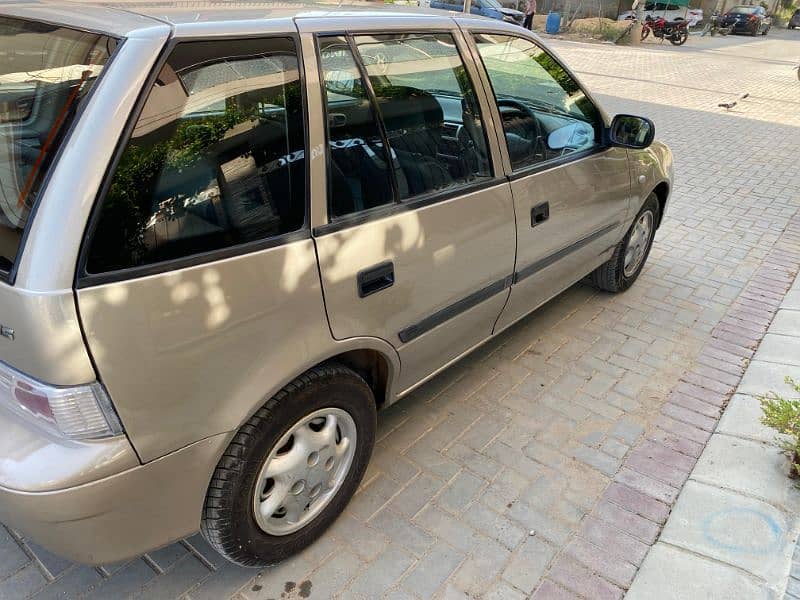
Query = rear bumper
x=119 y=516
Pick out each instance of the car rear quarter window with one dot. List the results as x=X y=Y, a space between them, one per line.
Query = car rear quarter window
x=46 y=72
x=216 y=158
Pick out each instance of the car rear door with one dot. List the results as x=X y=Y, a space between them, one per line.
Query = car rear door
x=571 y=192
x=416 y=238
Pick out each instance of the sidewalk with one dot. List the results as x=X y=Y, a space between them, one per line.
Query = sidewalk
x=733 y=529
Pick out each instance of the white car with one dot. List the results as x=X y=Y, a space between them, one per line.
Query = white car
x=671 y=12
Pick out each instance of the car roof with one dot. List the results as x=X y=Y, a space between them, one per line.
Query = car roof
x=123 y=17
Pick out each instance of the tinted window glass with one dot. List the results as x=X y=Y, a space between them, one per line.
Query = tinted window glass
x=358 y=174
x=545 y=114
x=216 y=158
x=429 y=111
x=45 y=73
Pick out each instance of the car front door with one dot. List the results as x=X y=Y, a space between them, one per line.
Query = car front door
x=416 y=244
x=571 y=192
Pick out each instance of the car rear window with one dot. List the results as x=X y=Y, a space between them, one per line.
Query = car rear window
x=743 y=10
x=45 y=73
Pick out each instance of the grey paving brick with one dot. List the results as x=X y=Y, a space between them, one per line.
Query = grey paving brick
x=223 y=583
x=596 y=459
x=401 y=531
x=627 y=431
x=416 y=495
x=476 y=573
x=494 y=526
x=12 y=557
x=364 y=540
x=71 y=584
x=543 y=524
x=335 y=574
x=126 y=581
x=432 y=570
x=382 y=573
x=183 y=575
x=165 y=557
x=23 y=583
x=52 y=564
x=449 y=528
x=461 y=491
x=529 y=563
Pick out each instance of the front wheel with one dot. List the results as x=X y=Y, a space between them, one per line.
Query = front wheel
x=624 y=266
x=645 y=32
x=679 y=37
x=292 y=468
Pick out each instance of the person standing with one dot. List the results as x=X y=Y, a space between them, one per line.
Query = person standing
x=530 y=10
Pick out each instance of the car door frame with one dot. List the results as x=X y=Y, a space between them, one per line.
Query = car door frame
x=470 y=28
x=310 y=30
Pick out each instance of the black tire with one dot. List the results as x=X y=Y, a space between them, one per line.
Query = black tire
x=679 y=37
x=645 y=32
x=610 y=276
x=227 y=522
x=765 y=32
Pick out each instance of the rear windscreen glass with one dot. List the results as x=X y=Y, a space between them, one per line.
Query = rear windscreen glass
x=45 y=73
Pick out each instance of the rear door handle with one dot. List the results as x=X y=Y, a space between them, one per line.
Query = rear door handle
x=540 y=213
x=375 y=279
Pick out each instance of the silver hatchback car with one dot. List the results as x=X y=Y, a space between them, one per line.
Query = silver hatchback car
x=228 y=236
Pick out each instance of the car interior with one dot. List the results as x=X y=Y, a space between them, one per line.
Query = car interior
x=216 y=159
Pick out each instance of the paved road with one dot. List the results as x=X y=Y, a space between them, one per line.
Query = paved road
x=546 y=462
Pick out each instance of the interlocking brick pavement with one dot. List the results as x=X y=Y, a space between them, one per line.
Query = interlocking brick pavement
x=545 y=463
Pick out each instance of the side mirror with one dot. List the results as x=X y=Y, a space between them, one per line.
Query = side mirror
x=629 y=131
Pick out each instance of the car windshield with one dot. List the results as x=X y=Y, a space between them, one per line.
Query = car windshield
x=491 y=4
x=743 y=10
x=45 y=73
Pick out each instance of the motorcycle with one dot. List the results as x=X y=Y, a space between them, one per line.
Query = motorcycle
x=677 y=32
x=713 y=27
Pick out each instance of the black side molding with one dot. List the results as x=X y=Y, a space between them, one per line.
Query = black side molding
x=448 y=312
x=558 y=255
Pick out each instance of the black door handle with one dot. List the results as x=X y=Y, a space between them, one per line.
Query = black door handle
x=540 y=213
x=375 y=279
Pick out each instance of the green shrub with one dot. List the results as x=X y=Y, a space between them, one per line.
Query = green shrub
x=783 y=416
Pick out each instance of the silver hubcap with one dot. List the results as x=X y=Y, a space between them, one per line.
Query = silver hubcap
x=304 y=471
x=638 y=242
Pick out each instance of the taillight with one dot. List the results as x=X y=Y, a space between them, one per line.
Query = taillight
x=74 y=412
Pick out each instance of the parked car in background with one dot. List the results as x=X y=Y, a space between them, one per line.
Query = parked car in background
x=794 y=21
x=752 y=20
x=231 y=234
x=671 y=12
x=486 y=8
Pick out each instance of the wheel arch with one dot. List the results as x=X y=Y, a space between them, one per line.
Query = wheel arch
x=662 y=193
x=372 y=358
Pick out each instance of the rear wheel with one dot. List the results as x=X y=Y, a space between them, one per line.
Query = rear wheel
x=679 y=37
x=624 y=266
x=292 y=468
